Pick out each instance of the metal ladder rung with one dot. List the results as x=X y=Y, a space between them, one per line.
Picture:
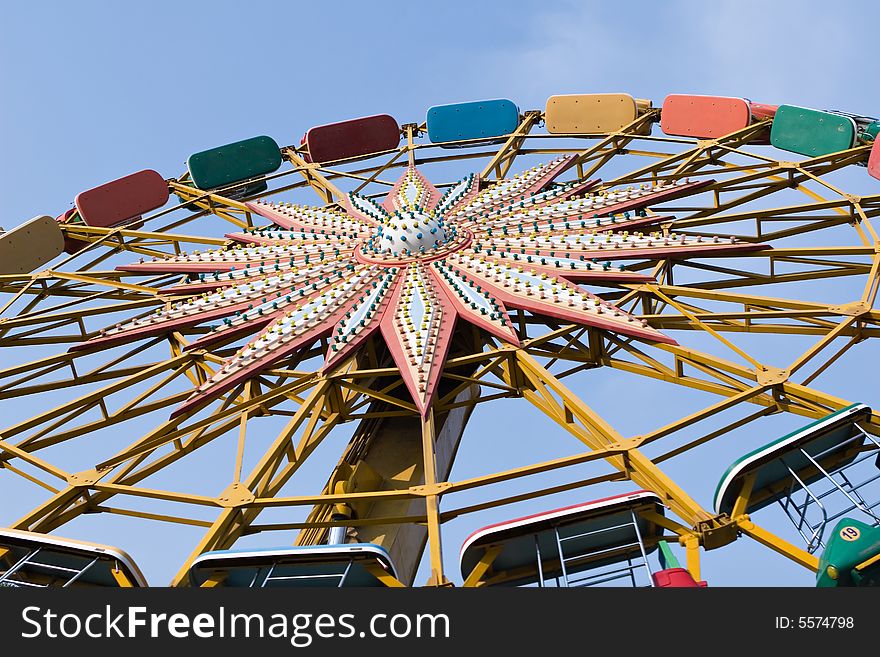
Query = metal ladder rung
x=598 y=552
x=595 y=531
x=584 y=583
x=288 y=577
x=608 y=574
x=18 y=564
x=50 y=566
x=21 y=582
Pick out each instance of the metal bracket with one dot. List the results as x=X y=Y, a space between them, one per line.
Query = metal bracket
x=85 y=478
x=235 y=495
x=716 y=532
x=771 y=376
x=854 y=309
x=433 y=489
x=411 y=126
x=445 y=583
x=537 y=114
x=628 y=443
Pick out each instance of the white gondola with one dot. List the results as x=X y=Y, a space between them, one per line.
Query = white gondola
x=600 y=542
x=341 y=566
x=28 y=559
x=817 y=474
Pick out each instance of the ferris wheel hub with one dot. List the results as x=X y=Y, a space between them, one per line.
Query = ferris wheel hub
x=366 y=253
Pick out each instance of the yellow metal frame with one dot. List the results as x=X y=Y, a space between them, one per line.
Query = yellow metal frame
x=67 y=303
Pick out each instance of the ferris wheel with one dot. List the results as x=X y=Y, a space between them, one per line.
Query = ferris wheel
x=180 y=313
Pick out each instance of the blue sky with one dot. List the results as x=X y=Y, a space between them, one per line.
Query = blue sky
x=94 y=90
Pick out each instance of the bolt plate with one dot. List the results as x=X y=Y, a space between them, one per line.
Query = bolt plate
x=235 y=495
x=85 y=478
x=771 y=376
x=853 y=309
x=433 y=489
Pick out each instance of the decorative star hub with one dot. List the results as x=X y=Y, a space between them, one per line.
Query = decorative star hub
x=411 y=268
x=410 y=230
